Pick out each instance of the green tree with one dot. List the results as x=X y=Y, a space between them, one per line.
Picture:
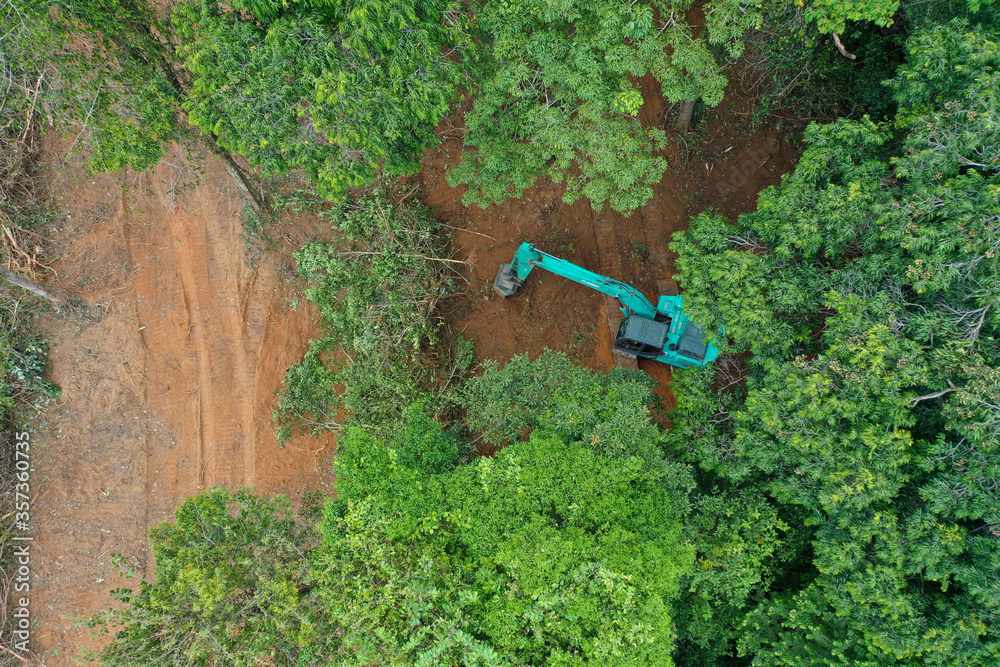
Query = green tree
x=872 y=276
x=557 y=94
x=579 y=543
x=342 y=90
x=822 y=213
x=232 y=587
x=741 y=548
x=830 y=16
x=397 y=600
x=551 y=553
x=610 y=410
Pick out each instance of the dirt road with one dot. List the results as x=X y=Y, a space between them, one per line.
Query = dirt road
x=170 y=393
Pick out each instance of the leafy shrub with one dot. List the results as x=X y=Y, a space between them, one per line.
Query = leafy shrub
x=427 y=448
x=117 y=90
x=377 y=292
x=308 y=398
x=26 y=360
x=232 y=581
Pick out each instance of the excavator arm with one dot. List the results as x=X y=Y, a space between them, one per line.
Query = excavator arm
x=662 y=332
x=512 y=276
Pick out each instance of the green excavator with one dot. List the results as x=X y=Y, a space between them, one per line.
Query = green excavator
x=662 y=333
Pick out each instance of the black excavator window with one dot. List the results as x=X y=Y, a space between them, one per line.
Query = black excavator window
x=635 y=347
x=628 y=345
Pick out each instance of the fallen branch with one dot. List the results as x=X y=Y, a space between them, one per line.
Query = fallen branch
x=355 y=253
x=30 y=263
x=58 y=299
x=467 y=231
x=840 y=47
x=936 y=394
x=16 y=655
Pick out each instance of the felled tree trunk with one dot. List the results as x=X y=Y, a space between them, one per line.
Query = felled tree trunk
x=684 y=121
x=244 y=181
x=58 y=299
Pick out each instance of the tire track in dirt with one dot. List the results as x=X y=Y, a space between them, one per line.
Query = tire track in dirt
x=605 y=238
x=226 y=323
x=660 y=218
x=203 y=418
x=255 y=412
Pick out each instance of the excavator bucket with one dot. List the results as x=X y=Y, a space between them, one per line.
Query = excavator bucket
x=505 y=284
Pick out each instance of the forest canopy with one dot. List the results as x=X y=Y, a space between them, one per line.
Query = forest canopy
x=351 y=92
x=557 y=551
x=344 y=91
x=865 y=287
x=827 y=494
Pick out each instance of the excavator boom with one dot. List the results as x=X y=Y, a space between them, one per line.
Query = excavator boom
x=662 y=332
x=512 y=276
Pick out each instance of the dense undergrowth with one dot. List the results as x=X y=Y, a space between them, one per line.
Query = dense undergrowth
x=377 y=289
x=23 y=353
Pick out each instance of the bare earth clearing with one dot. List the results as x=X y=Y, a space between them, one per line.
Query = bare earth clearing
x=172 y=391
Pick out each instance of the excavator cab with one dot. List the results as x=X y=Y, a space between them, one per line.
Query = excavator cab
x=681 y=346
x=691 y=343
x=642 y=337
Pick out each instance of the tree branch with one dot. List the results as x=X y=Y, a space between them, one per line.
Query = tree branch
x=840 y=47
x=936 y=394
x=56 y=298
